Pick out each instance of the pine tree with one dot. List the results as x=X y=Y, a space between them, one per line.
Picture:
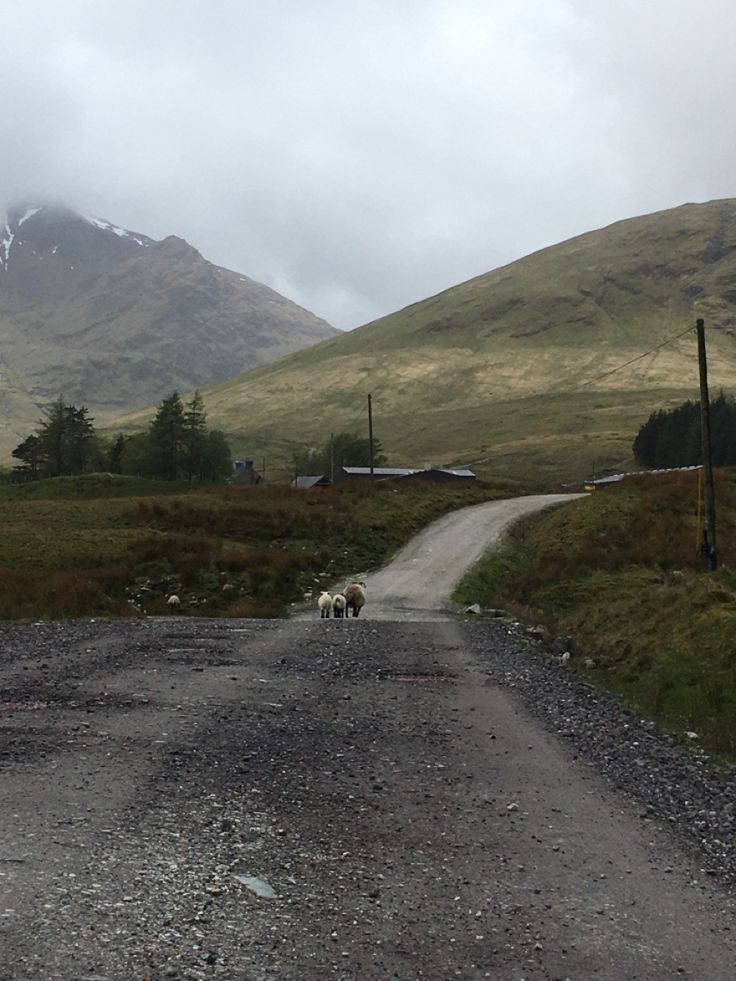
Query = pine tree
x=115 y=454
x=166 y=439
x=79 y=439
x=195 y=437
x=217 y=462
x=346 y=449
x=51 y=439
x=673 y=438
x=29 y=453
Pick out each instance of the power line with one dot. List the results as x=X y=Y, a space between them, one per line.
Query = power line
x=604 y=374
x=626 y=364
x=432 y=386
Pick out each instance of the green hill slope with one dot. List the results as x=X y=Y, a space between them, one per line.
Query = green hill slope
x=515 y=371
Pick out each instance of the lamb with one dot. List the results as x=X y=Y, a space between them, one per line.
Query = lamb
x=354 y=594
x=325 y=605
x=338 y=606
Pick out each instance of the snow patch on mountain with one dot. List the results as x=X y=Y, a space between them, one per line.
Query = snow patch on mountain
x=107 y=226
x=29 y=214
x=5 y=245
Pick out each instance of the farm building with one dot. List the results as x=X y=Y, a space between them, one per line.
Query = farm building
x=305 y=482
x=245 y=474
x=386 y=473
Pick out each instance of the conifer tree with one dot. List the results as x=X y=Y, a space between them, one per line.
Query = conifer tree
x=673 y=439
x=166 y=439
x=217 y=463
x=195 y=437
x=29 y=453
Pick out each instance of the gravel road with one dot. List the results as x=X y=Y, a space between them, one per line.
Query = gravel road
x=417 y=584
x=362 y=799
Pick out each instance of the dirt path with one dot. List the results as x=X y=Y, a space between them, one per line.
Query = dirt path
x=418 y=582
x=391 y=782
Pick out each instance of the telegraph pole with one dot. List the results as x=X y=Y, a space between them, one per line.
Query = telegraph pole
x=370 y=431
x=332 y=458
x=708 y=547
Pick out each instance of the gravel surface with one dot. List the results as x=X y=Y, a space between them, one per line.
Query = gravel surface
x=426 y=800
x=402 y=796
x=417 y=583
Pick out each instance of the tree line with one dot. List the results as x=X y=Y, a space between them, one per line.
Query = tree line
x=176 y=446
x=672 y=438
x=343 y=449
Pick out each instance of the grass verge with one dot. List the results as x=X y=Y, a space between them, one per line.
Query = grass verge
x=620 y=572
x=108 y=546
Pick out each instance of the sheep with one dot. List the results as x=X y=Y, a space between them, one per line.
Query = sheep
x=325 y=605
x=338 y=606
x=354 y=594
x=173 y=600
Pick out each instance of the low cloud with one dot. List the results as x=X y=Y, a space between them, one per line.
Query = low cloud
x=360 y=157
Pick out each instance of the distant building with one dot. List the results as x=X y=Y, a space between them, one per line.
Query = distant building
x=386 y=473
x=343 y=474
x=600 y=483
x=441 y=474
x=245 y=474
x=304 y=483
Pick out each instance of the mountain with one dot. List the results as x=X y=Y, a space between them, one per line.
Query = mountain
x=533 y=369
x=112 y=319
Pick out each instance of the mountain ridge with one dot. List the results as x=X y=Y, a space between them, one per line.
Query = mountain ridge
x=114 y=319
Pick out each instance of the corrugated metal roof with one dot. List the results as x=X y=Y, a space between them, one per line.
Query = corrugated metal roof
x=455 y=473
x=382 y=471
x=404 y=471
x=307 y=481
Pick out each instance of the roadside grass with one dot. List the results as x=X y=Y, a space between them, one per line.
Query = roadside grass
x=107 y=546
x=619 y=571
x=87 y=486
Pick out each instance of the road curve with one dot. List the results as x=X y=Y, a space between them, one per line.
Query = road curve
x=418 y=582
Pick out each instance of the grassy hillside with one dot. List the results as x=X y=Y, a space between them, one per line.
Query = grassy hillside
x=620 y=572
x=113 y=546
x=511 y=371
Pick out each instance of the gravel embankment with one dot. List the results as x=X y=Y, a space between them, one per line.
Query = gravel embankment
x=673 y=781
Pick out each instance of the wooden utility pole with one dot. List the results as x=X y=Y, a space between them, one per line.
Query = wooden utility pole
x=370 y=432
x=709 y=531
x=332 y=458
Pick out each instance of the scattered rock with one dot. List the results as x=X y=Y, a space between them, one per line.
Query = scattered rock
x=258 y=886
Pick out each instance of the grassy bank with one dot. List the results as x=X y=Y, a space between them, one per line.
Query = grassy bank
x=113 y=546
x=620 y=572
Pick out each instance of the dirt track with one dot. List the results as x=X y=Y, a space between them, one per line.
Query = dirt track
x=389 y=781
x=417 y=584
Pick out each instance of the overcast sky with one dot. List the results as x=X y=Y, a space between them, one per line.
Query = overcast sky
x=358 y=156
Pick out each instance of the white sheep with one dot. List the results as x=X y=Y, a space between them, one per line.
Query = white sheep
x=325 y=605
x=338 y=606
x=354 y=594
x=173 y=600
